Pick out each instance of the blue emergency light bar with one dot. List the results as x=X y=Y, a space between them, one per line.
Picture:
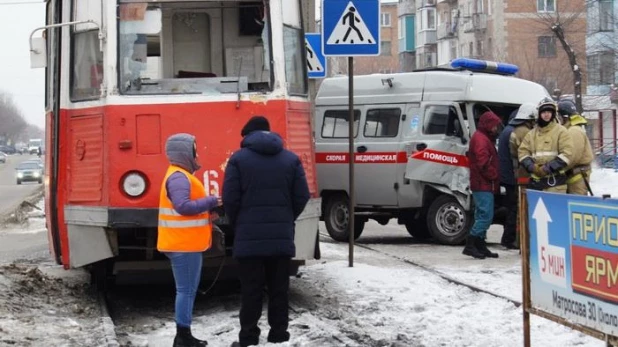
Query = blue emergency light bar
x=484 y=66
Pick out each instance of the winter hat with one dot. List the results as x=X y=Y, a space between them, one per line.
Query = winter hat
x=256 y=123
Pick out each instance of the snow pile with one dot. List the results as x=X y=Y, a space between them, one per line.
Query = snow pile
x=39 y=308
x=604 y=181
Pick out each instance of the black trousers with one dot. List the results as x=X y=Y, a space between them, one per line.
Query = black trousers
x=510 y=224
x=255 y=273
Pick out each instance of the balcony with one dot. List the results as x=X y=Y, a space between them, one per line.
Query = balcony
x=406 y=7
x=476 y=22
x=425 y=3
x=425 y=60
x=446 y=1
x=426 y=37
x=446 y=31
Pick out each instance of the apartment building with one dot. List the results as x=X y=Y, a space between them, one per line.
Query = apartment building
x=514 y=31
x=601 y=47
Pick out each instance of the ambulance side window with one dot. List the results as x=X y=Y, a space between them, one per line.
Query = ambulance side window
x=382 y=122
x=441 y=120
x=335 y=123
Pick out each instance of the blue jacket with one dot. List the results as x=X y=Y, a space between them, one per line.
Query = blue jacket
x=507 y=171
x=264 y=191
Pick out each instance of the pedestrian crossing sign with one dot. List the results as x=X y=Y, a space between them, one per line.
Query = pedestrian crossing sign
x=316 y=61
x=351 y=27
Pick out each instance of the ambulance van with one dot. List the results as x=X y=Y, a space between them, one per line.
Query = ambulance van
x=411 y=133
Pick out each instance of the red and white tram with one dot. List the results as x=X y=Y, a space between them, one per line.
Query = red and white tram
x=123 y=75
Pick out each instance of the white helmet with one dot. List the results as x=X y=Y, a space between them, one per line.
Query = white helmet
x=526 y=112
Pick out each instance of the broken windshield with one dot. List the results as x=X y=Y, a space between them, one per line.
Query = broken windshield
x=194 y=47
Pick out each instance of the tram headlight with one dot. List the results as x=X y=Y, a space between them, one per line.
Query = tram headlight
x=134 y=184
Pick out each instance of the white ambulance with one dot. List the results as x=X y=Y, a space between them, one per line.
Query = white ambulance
x=411 y=135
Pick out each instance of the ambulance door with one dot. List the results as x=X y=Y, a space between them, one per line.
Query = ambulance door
x=377 y=155
x=439 y=154
x=332 y=149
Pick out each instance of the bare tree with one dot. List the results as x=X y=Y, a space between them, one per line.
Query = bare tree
x=557 y=56
x=12 y=123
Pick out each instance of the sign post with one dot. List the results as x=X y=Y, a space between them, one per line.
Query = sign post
x=351 y=28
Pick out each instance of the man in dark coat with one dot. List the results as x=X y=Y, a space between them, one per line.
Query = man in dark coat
x=484 y=182
x=509 y=182
x=264 y=191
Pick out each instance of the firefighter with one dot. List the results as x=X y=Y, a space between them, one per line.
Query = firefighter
x=579 y=169
x=546 y=151
x=520 y=122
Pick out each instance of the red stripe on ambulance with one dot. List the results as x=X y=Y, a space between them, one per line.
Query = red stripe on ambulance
x=362 y=158
x=441 y=157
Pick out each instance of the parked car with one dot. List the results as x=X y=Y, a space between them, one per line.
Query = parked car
x=8 y=149
x=3 y=157
x=29 y=171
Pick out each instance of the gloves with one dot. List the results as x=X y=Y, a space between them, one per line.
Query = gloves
x=528 y=164
x=540 y=171
x=555 y=165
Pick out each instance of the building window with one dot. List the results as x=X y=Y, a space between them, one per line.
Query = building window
x=546 y=5
x=453 y=47
x=471 y=48
x=479 y=48
x=401 y=28
x=547 y=46
x=428 y=19
x=385 y=20
x=385 y=47
x=479 y=6
x=601 y=69
x=606 y=13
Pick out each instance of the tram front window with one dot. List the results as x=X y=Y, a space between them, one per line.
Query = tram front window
x=193 y=47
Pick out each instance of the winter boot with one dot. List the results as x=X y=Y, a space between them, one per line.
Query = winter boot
x=278 y=337
x=471 y=249
x=482 y=247
x=184 y=338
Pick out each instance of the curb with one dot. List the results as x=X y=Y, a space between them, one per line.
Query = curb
x=109 y=332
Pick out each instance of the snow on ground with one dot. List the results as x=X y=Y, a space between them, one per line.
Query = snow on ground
x=29 y=220
x=43 y=305
x=604 y=181
x=379 y=302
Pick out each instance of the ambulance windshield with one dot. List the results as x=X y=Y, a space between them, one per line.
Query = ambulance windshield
x=193 y=47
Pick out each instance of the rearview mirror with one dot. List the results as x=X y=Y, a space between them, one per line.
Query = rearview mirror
x=38 y=52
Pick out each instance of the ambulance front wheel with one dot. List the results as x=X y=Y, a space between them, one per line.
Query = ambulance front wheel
x=337 y=217
x=448 y=221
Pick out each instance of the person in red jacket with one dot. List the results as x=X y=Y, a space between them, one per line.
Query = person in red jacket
x=484 y=182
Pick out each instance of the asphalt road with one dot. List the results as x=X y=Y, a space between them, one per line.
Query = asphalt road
x=12 y=194
x=19 y=242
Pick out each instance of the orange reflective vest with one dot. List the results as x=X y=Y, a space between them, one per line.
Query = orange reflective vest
x=178 y=233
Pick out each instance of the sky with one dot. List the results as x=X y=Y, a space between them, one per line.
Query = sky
x=25 y=85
